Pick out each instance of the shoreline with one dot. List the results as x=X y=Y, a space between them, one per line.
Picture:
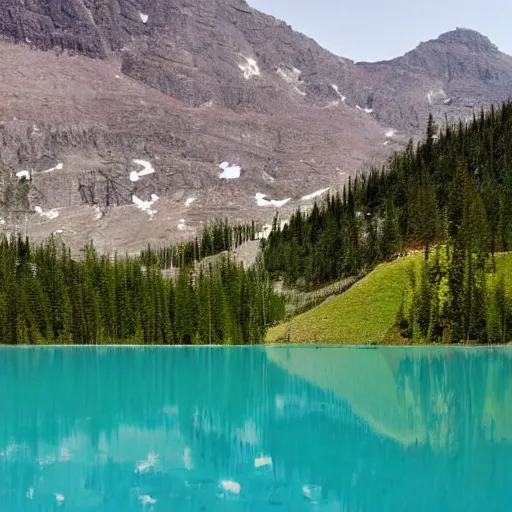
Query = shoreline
x=274 y=345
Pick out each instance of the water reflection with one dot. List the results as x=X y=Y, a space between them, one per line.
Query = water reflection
x=269 y=428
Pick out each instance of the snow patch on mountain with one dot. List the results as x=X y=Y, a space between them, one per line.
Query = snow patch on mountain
x=315 y=194
x=145 y=206
x=50 y=214
x=434 y=94
x=292 y=77
x=23 y=174
x=289 y=75
x=58 y=167
x=337 y=90
x=143 y=17
x=261 y=200
x=250 y=68
x=189 y=201
x=229 y=171
x=147 y=167
x=390 y=133
x=367 y=110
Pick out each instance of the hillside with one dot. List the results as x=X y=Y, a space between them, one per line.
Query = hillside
x=121 y=113
x=367 y=311
x=362 y=314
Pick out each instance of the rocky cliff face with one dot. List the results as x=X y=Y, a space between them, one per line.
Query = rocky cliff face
x=182 y=86
x=224 y=53
x=450 y=77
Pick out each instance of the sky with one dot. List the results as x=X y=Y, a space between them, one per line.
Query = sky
x=371 y=30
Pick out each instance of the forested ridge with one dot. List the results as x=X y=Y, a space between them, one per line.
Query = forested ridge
x=449 y=196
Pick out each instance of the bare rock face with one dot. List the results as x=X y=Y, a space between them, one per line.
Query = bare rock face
x=450 y=77
x=224 y=53
x=67 y=24
x=181 y=86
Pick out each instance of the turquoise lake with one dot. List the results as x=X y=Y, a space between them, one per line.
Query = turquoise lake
x=255 y=429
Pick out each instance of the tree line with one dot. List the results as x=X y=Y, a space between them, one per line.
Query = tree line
x=416 y=200
x=217 y=237
x=48 y=297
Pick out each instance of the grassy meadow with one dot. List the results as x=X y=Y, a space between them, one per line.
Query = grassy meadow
x=365 y=313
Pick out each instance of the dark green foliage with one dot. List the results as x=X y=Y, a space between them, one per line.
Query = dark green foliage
x=457 y=184
x=456 y=299
x=46 y=297
x=216 y=238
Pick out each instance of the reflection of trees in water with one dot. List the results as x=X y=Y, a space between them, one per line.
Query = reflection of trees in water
x=60 y=390
x=232 y=405
x=452 y=394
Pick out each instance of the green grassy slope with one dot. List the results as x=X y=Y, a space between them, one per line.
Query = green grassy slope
x=363 y=314
x=366 y=312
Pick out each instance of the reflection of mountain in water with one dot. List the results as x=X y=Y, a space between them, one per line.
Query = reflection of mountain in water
x=414 y=395
x=384 y=429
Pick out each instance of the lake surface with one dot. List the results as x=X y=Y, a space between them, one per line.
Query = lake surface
x=255 y=429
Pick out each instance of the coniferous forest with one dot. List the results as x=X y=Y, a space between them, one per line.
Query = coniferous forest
x=48 y=297
x=216 y=238
x=448 y=197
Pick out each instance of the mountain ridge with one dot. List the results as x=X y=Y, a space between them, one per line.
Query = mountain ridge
x=186 y=86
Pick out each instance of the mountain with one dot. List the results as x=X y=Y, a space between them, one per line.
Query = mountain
x=450 y=77
x=106 y=92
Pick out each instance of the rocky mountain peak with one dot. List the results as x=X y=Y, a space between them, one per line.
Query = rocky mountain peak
x=461 y=43
x=469 y=38
x=460 y=55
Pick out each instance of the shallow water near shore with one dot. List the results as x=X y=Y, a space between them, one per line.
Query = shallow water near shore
x=254 y=429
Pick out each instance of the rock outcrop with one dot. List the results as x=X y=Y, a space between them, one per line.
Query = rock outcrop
x=92 y=86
